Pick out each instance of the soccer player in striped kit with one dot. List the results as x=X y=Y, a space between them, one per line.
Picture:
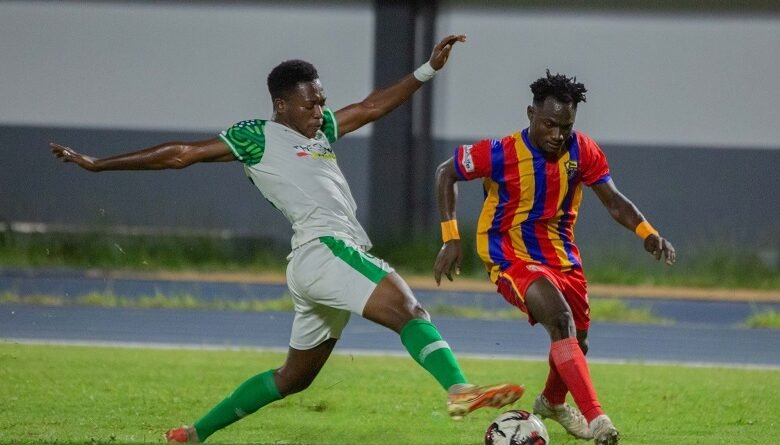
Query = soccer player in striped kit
x=330 y=273
x=533 y=188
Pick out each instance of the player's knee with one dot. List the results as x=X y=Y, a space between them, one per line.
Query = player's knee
x=419 y=312
x=407 y=313
x=561 y=325
x=411 y=309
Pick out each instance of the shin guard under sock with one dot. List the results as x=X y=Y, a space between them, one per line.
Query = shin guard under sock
x=425 y=345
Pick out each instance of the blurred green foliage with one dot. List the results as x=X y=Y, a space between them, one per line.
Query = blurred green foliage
x=106 y=250
x=714 y=266
x=769 y=319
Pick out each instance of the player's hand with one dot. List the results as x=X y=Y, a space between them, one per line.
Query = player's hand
x=442 y=50
x=448 y=261
x=660 y=247
x=68 y=154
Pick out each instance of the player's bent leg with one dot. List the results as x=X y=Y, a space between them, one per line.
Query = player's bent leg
x=297 y=373
x=549 y=307
x=392 y=305
x=302 y=367
x=551 y=404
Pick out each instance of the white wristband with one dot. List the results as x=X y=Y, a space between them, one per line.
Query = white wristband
x=424 y=72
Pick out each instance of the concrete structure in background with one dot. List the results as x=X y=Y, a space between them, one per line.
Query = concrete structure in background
x=683 y=101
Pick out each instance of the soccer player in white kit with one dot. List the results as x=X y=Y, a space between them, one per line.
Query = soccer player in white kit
x=330 y=272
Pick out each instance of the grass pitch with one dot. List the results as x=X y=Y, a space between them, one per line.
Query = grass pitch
x=102 y=395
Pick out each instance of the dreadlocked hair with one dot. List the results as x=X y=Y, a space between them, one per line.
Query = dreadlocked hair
x=565 y=89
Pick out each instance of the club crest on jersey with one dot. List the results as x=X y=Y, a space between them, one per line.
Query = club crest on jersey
x=315 y=150
x=571 y=168
x=467 y=162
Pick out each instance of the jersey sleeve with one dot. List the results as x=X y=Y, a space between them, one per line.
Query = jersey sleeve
x=329 y=125
x=246 y=140
x=473 y=161
x=594 y=169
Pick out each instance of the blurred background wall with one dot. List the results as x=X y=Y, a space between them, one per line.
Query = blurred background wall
x=683 y=100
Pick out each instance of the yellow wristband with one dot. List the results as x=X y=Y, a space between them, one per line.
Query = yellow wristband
x=644 y=229
x=449 y=230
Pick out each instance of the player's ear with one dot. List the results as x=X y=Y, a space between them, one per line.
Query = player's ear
x=530 y=112
x=279 y=105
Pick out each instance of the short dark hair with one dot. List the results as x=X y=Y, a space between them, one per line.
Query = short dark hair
x=565 y=89
x=288 y=74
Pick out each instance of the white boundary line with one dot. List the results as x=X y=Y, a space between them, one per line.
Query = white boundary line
x=374 y=353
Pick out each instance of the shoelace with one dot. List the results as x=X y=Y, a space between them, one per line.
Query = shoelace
x=569 y=411
x=579 y=422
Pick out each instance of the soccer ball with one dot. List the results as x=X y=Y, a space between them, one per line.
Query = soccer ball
x=517 y=427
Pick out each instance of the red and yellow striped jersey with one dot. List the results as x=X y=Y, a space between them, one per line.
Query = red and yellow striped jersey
x=531 y=204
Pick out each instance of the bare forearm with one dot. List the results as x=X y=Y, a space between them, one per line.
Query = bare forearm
x=446 y=191
x=163 y=156
x=382 y=101
x=619 y=207
x=377 y=104
x=450 y=256
x=166 y=155
x=624 y=212
x=385 y=100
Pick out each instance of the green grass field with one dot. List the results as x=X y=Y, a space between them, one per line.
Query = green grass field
x=95 y=395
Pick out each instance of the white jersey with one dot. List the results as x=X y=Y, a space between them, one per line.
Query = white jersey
x=300 y=177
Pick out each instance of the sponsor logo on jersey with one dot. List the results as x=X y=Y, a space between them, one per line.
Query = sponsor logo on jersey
x=571 y=168
x=315 y=150
x=467 y=162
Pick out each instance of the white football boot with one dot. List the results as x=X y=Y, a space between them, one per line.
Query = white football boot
x=570 y=418
x=604 y=432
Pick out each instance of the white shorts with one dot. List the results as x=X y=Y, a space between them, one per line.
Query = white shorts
x=329 y=278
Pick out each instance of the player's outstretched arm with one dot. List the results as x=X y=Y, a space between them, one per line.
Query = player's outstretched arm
x=167 y=155
x=450 y=255
x=385 y=100
x=626 y=213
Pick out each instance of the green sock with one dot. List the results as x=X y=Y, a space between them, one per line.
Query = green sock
x=252 y=395
x=425 y=345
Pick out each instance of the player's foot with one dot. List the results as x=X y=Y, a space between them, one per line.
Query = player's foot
x=604 y=432
x=570 y=418
x=463 y=399
x=182 y=434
